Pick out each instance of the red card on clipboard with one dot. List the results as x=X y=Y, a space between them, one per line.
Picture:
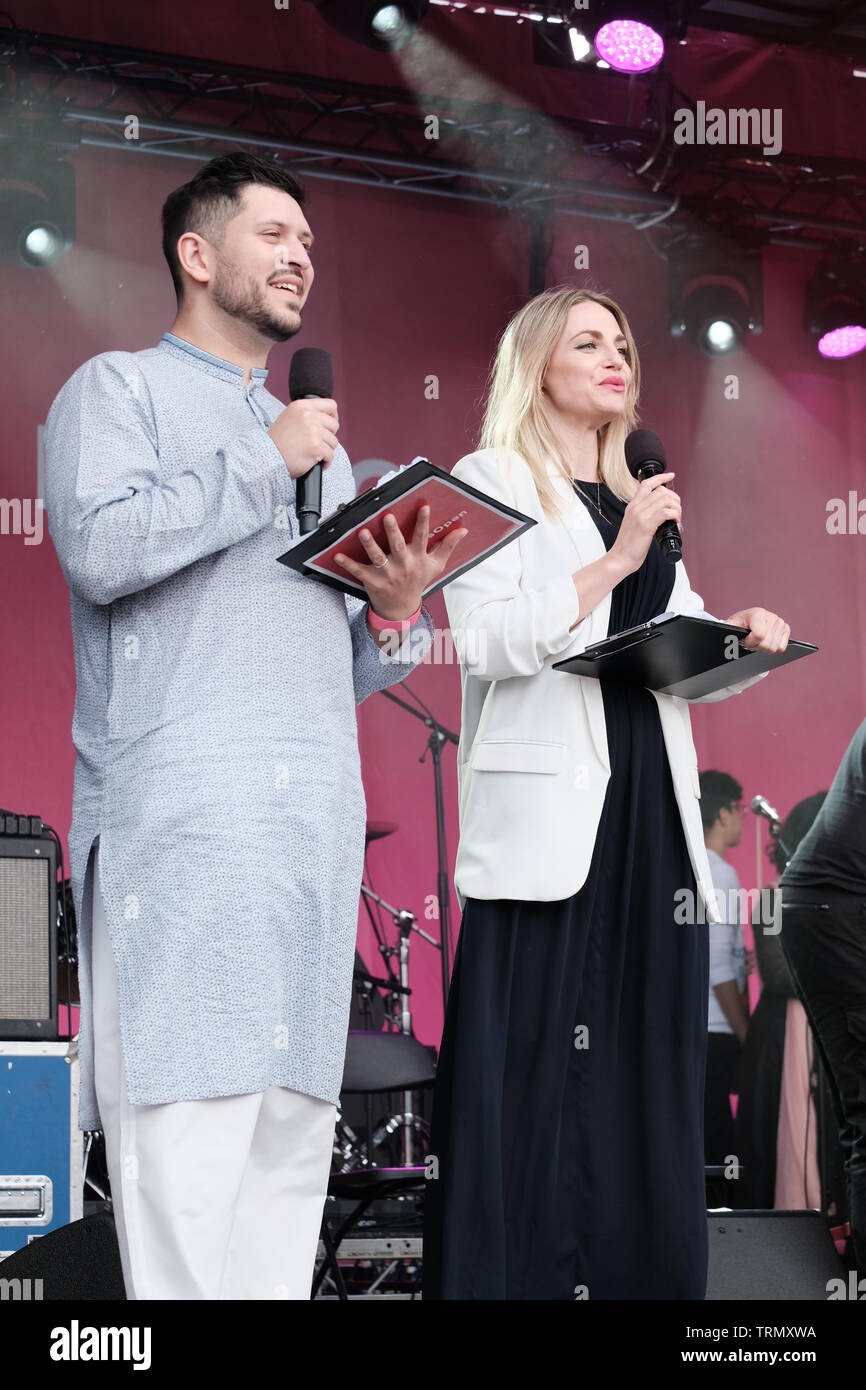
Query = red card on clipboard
x=453 y=504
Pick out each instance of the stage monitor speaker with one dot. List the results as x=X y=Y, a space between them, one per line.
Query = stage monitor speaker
x=79 y=1261
x=28 y=938
x=771 y=1255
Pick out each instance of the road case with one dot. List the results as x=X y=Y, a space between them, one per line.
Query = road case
x=41 y=1146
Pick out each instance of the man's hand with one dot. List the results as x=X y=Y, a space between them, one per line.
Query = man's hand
x=306 y=434
x=769 y=632
x=396 y=580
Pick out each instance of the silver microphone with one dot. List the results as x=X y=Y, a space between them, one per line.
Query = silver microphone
x=761 y=806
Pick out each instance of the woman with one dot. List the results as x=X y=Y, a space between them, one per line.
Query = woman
x=568 y=1113
x=757 y=1122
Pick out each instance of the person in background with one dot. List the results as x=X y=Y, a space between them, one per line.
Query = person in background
x=824 y=940
x=728 y=1011
x=757 y=1119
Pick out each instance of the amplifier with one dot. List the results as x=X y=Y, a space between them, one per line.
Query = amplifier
x=28 y=938
x=775 y=1255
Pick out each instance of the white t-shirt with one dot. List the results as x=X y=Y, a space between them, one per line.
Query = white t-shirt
x=727 y=952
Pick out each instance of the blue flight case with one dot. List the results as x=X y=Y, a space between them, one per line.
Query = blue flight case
x=41 y=1146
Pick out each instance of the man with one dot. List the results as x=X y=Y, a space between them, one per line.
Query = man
x=218 y=777
x=824 y=941
x=728 y=1011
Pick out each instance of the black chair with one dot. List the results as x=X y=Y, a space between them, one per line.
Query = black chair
x=375 y=1063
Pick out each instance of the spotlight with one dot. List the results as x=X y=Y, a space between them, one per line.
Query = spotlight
x=836 y=310
x=626 y=45
x=715 y=319
x=580 y=45
x=385 y=27
x=716 y=306
x=628 y=35
x=37 y=212
x=42 y=243
x=389 y=25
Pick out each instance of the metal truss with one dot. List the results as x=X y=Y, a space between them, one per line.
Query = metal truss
x=58 y=92
x=836 y=24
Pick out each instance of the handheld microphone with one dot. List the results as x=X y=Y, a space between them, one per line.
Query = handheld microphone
x=645 y=456
x=762 y=807
x=311 y=375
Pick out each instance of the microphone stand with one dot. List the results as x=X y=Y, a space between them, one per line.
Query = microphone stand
x=438 y=735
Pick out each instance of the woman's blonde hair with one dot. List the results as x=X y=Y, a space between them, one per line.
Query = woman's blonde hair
x=516 y=417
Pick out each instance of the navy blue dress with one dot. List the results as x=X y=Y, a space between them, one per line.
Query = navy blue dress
x=568 y=1111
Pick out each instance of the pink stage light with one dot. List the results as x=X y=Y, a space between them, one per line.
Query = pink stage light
x=629 y=46
x=843 y=342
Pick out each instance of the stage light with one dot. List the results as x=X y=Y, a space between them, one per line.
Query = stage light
x=580 y=46
x=629 y=46
x=389 y=23
x=722 y=335
x=836 y=310
x=385 y=27
x=627 y=35
x=715 y=299
x=42 y=243
x=716 y=318
x=844 y=341
x=37 y=212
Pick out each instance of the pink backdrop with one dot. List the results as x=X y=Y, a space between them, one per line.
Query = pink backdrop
x=407 y=286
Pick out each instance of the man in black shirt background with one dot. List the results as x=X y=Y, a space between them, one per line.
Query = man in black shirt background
x=824 y=941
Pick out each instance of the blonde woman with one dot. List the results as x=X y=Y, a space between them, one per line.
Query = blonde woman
x=568 y=1114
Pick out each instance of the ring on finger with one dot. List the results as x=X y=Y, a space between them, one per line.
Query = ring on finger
x=373 y=549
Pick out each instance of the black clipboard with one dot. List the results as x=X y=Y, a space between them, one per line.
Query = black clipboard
x=678 y=654
x=491 y=525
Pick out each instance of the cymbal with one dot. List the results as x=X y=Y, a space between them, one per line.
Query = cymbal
x=378 y=829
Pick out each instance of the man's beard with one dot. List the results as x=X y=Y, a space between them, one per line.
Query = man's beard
x=243 y=298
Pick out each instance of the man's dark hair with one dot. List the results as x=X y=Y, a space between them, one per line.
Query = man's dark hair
x=718 y=790
x=797 y=824
x=209 y=200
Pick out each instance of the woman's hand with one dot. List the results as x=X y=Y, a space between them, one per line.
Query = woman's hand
x=769 y=632
x=652 y=504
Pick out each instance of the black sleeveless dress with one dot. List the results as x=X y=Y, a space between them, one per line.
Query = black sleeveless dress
x=571 y=1162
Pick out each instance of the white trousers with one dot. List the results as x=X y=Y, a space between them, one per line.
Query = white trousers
x=213 y=1199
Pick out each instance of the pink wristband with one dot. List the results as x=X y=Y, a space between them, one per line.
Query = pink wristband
x=383 y=624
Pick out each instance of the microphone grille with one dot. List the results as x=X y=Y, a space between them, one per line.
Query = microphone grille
x=641 y=446
x=311 y=373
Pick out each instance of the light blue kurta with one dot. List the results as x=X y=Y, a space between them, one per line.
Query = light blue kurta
x=215 y=729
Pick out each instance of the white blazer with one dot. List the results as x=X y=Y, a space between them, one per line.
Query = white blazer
x=533 y=762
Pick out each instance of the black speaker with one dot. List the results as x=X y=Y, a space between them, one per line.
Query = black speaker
x=28 y=938
x=79 y=1261
x=771 y=1255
